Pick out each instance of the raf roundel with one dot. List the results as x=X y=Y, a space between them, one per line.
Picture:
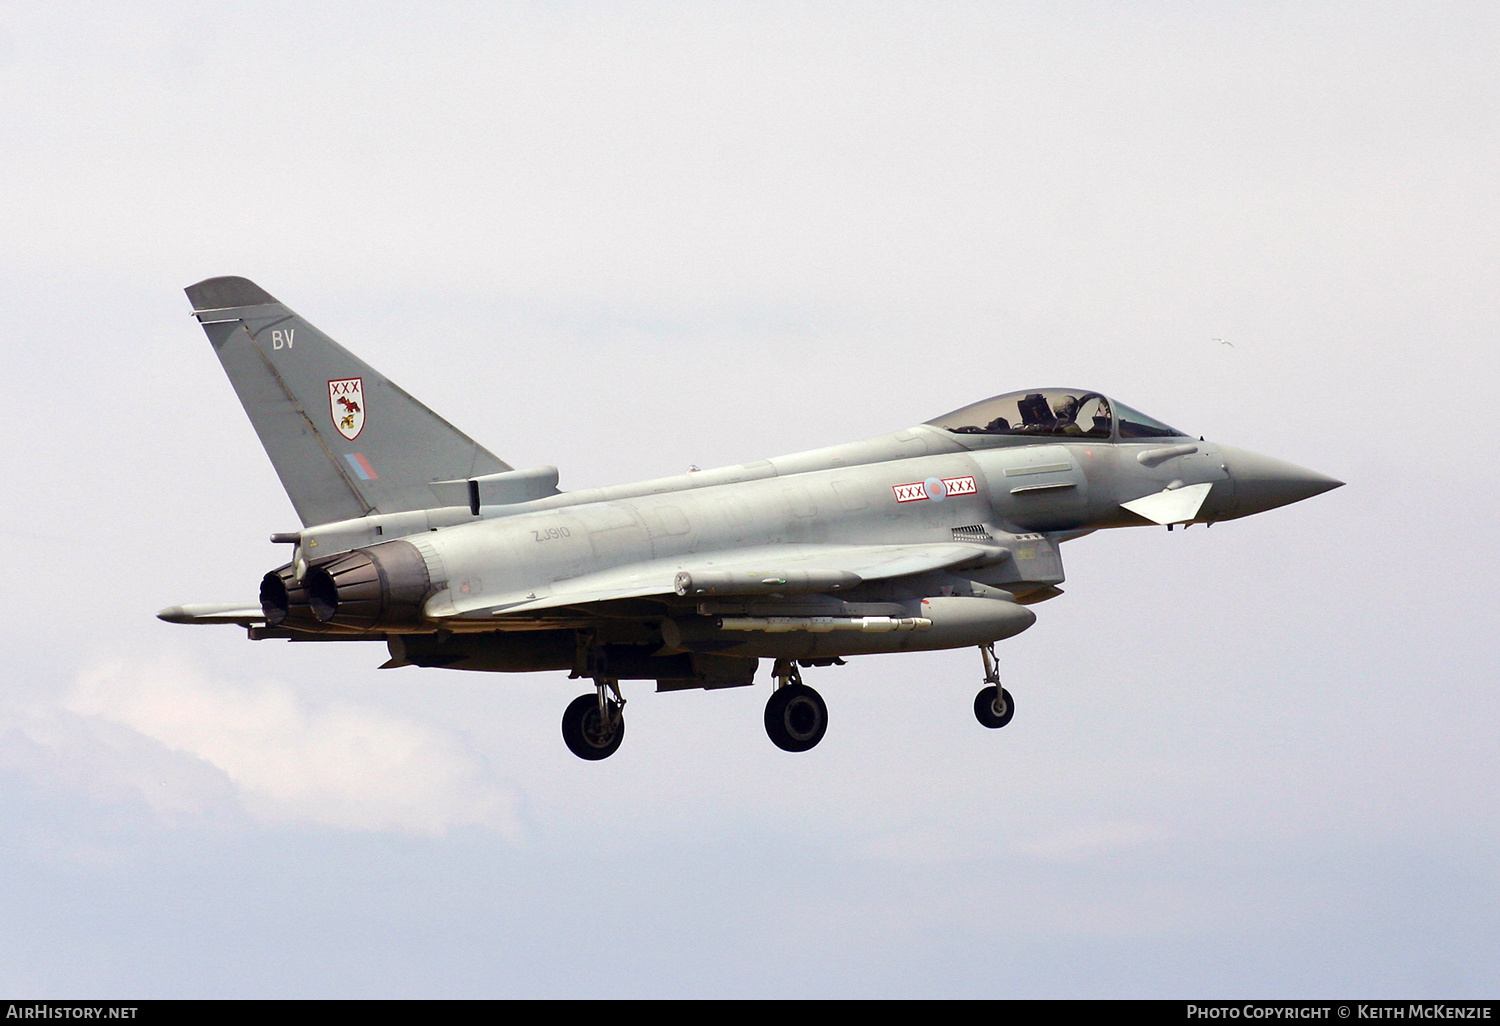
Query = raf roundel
x=934 y=488
x=346 y=404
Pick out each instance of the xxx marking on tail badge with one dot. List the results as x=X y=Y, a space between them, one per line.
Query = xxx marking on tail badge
x=346 y=404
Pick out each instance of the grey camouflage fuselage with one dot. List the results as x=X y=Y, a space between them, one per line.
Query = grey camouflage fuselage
x=939 y=536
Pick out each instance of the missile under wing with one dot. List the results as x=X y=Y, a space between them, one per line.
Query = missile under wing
x=942 y=535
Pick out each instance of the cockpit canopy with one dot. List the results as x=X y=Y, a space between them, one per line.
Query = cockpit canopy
x=1054 y=413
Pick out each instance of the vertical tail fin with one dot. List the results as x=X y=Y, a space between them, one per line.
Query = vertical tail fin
x=344 y=440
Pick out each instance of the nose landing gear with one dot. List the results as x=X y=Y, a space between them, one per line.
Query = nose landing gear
x=796 y=717
x=993 y=706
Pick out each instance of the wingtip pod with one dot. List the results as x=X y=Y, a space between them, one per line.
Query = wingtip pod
x=174 y=614
x=226 y=293
x=218 y=612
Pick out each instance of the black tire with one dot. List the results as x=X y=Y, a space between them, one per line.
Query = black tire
x=796 y=718
x=585 y=734
x=991 y=713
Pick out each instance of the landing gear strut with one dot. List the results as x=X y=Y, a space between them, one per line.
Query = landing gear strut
x=594 y=725
x=993 y=706
x=796 y=717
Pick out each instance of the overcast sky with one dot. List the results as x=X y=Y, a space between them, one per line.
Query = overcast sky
x=1257 y=760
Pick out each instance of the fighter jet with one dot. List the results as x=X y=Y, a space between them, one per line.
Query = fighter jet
x=943 y=535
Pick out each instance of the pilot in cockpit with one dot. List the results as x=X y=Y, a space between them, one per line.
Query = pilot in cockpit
x=1065 y=412
x=1049 y=412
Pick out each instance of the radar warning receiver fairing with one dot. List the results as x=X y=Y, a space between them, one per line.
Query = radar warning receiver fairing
x=943 y=535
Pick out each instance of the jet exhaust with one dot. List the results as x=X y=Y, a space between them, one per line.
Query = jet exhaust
x=275 y=597
x=352 y=593
x=382 y=586
x=284 y=601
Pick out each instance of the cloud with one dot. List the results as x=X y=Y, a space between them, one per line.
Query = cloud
x=1090 y=841
x=924 y=845
x=192 y=746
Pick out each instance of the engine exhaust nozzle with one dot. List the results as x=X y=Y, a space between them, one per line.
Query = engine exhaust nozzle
x=369 y=589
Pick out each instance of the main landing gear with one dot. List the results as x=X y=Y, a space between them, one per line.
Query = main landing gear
x=594 y=725
x=993 y=706
x=796 y=718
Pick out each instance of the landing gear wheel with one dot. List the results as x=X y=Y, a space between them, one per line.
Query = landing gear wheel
x=796 y=718
x=993 y=707
x=589 y=735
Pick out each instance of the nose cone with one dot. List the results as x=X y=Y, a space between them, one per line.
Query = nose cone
x=1262 y=483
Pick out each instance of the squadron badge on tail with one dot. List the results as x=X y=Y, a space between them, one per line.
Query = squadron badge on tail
x=346 y=402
